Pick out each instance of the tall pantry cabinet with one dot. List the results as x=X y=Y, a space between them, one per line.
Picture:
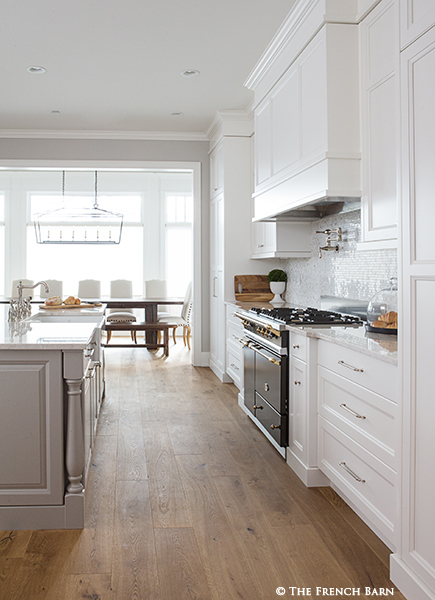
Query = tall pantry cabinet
x=230 y=222
x=413 y=565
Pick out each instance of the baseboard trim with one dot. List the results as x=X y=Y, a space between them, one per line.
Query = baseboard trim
x=311 y=476
x=411 y=586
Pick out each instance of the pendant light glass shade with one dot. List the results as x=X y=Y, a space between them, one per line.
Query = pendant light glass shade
x=81 y=225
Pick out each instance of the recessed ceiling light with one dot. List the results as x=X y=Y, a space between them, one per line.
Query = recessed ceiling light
x=190 y=73
x=35 y=70
x=177 y=114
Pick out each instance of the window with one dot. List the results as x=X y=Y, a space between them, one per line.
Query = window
x=71 y=263
x=178 y=243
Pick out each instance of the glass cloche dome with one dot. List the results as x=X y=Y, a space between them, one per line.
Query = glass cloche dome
x=382 y=313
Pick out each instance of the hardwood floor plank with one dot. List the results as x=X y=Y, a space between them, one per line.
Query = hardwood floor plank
x=131 y=460
x=227 y=568
x=168 y=502
x=181 y=572
x=183 y=436
x=13 y=544
x=134 y=564
x=85 y=586
x=9 y=578
x=93 y=551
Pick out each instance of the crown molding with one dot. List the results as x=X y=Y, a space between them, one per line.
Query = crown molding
x=227 y=116
x=69 y=134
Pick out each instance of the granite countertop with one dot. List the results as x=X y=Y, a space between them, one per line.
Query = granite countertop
x=377 y=345
x=29 y=335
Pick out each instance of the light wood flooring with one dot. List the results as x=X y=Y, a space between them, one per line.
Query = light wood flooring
x=187 y=500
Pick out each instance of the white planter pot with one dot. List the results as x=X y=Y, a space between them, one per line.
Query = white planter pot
x=277 y=288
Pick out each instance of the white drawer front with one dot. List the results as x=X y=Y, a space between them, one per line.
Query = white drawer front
x=231 y=308
x=365 y=480
x=235 y=366
x=298 y=346
x=234 y=332
x=366 y=417
x=374 y=374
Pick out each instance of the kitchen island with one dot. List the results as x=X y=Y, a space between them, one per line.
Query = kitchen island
x=51 y=382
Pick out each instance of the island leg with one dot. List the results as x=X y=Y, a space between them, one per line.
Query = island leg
x=75 y=453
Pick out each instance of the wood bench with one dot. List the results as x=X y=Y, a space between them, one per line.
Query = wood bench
x=134 y=327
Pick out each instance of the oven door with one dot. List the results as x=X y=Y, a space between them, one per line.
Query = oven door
x=266 y=389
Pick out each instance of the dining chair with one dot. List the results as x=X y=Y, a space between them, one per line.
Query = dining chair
x=89 y=288
x=183 y=320
x=156 y=288
x=121 y=288
x=55 y=288
x=14 y=291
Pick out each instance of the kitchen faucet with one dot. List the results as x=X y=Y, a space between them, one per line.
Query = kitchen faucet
x=20 y=309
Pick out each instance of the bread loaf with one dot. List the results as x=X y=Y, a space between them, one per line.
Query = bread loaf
x=54 y=301
x=378 y=324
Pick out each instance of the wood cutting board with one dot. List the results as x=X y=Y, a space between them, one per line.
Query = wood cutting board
x=252 y=288
x=58 y=306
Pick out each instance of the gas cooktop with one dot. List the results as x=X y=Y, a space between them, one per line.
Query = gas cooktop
x=306 y=316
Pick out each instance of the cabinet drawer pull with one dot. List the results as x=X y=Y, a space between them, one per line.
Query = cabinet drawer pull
x=260 y=245
x=354 y=475
x=237 y=368
x=352 y=412
x=297 y=383
x=275 y=426
x=343 y=364
x=255 y=407
x=295 y=346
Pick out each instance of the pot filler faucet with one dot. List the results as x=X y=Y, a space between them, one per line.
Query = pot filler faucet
x=333 y=235
x=20 y=309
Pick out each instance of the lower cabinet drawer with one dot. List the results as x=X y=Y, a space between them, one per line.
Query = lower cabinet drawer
x=366 y=481
x=271 y=420
x=235 y=365
x=366 y=417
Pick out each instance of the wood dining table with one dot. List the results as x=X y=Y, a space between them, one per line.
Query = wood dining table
x=150 y=305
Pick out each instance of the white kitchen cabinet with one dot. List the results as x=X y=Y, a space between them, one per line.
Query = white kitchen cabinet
x=379 y=64
x=306 y=127
x=234 y=363
x=216 y=171
x=31 y=429
x=416 y=17
x=230 y=230
x=281 y=240
x=413 y=565
x=357 y=451
x=302 y=449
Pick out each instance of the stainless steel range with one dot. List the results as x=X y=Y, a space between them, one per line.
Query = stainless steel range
x=266 y=360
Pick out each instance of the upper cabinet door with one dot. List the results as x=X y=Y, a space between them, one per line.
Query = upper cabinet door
x=416 y=17
x=380 y=124
x=216 y=171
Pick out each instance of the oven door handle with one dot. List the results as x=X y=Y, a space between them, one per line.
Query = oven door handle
x=255 y=347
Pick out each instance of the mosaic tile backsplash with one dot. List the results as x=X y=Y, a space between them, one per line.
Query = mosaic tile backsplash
x=346 y=274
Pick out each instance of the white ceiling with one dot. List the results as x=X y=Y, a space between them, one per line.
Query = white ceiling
x=115 y=66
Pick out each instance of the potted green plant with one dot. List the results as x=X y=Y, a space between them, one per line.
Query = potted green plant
x=277 y=279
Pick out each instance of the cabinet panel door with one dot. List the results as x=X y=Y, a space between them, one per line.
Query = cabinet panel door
x=313 y=104
x=416 y=17
x=379 y=106
x=298 y=409
x=285 y=123
x=263 y=143
x=31 y=426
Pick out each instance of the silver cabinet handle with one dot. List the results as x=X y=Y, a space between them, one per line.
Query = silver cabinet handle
x=297 y=383
x=343 y=364
x=295 y=346
x=266 y=387
x=235 y=366
x=344 y=466
x=352 y=412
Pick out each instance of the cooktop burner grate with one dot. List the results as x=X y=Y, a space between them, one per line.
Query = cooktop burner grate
x=306 y=316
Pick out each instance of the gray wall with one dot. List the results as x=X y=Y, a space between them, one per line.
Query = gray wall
x=348 y=273
x=134 y=150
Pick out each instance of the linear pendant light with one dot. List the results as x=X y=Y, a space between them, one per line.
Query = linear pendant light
x=78 y=225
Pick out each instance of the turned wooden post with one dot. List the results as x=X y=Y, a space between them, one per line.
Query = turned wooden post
x=75 y=452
